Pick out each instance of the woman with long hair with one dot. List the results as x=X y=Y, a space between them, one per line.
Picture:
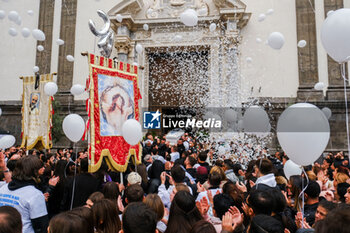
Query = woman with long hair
x=183 y=213
x=68 y=222
x=22 y=193
x=294 y=189
x=106 y=218
x=56 y=196
x=156 y=204
x=110 y=191
x=154 y=174
x=85 y=213
x=142 y=171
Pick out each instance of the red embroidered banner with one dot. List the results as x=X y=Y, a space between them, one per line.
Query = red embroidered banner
x=114 y=98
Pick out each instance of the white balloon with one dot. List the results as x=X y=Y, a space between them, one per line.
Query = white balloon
x=203 y=11
x=30 y=12
x=70 y=58
x=132 y=132
x=276 y=40
x=258 y=40
x=261 y=17
x=319 y=86
x=18 y=21
x=2 y=14
x=13 y=16
x=25 y=32
x=301 y=43
x=59 y=42
x=208 y=115
x=38 y=35
x=139 y=48
x=240 y=125
x=291 y=169
x=212 y=27
x=221 y=150
x=149 y=11
x=216 y=117
x=77 y=89
x=269 y=11
x=330 y=12
x=327 y=112
x=50 y=88
x=40 y=48
x=35 y=69
x=178 y=38
x=7 y=141
x=256 y=121
x=13 y=32
x=119 y=18
x=335 y=35
x=303 y=133
x=73 y=127
x=249 y=60
x=230 y=115
x=189 y=17
x=145 y=27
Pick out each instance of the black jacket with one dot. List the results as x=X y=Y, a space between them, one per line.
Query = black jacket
x=85 y=185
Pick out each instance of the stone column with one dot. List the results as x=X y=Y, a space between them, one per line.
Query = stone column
x=231 y=68
x=336 y=84
x=46 y=16
x=307 y=56
x=123 y=42
x=67 y=33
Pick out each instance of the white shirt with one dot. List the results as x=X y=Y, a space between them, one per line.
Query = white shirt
x=205 y=194
x=158 y=157
x=174 y=156
x=2 y=183
x=186 y=145
x=29 y=201
x=268 y=180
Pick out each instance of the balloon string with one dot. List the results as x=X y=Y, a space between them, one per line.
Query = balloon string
x=342 y=69
x=303 y=196
x=312 y=7
x=75 y=174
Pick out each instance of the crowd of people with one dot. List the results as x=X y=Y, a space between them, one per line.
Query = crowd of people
x=176 y=189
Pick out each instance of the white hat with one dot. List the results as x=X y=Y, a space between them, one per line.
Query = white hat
x=134 y=178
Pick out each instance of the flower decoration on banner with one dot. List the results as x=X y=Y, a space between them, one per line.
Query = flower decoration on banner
x=106 y=37
x=105 y=124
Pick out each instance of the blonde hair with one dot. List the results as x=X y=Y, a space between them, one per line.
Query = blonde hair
x=341 y=177
x=311 y=175
x=220 y=171
x=281 y=180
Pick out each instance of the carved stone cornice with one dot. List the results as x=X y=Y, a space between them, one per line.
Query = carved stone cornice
x=122 y=43
x=127 y=6
x=137 y=12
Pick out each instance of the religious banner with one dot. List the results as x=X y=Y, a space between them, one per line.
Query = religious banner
x=114 y=98
x=36 y=113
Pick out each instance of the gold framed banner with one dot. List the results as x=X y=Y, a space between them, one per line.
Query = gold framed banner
x=114 y=98
x=36 y=113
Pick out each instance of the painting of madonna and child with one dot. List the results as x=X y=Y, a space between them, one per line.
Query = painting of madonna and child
x=116 y=97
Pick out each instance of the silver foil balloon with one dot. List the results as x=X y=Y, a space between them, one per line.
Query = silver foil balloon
x=106 y=37
x=105 y=44
x=106 y=27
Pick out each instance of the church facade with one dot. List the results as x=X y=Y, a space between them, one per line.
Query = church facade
x=228 y=66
